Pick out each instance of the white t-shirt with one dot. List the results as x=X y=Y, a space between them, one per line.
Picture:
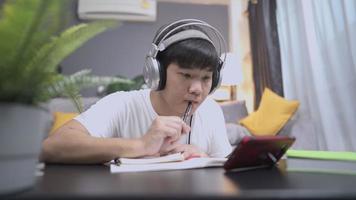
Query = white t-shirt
x=130 y=114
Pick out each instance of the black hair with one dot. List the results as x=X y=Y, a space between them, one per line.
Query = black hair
x=192 y=53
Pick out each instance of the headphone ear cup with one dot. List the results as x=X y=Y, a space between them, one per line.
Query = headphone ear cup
x=217 y=78
x=162 y=76
x=213 y=82
x=151 y=73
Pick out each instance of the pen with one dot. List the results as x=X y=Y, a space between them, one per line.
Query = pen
x=187 y=112
x=185 y=117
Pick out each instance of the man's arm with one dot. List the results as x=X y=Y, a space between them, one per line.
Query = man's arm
x=72 y=143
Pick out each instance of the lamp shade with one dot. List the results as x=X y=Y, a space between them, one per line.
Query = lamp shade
x=232 y=72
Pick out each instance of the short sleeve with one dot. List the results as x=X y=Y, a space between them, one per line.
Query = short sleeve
x=101 y=118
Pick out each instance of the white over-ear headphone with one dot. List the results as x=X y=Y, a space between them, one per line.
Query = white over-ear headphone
x=152 y=72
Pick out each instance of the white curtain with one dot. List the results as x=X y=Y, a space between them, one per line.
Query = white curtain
x=318 y=52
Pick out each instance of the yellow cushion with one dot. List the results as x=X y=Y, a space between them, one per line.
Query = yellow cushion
x=60 y=118
x=272 y=114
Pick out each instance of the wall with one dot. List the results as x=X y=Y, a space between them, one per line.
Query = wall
x=122 y=50
x=240 y=44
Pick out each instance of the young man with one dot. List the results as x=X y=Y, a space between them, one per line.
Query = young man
x=182 y=68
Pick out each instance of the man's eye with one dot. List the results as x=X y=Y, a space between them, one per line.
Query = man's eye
x=187 y=76
x=206 y=78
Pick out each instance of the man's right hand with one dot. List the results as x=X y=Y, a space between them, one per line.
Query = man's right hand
x=163 y=135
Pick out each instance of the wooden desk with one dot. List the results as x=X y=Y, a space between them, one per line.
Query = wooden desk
x=96 y=181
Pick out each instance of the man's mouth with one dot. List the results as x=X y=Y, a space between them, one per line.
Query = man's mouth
x=194 y=104
x=187 y=112
x=193 y=101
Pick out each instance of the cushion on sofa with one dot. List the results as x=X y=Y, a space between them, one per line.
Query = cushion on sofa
x=271 y=116
x=60 y=118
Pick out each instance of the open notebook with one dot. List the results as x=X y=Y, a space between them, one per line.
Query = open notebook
x=169 y=162
x=251 y=153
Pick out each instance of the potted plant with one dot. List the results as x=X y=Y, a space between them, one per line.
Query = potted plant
x=30 y=51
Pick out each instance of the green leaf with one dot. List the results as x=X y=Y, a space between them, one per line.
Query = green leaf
x=50 y=55
x=135 y=84
x=30 y=51
x=17 y=20
x=70 y=86
x=25 y=26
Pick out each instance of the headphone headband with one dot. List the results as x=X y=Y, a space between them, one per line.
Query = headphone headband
x=174 y=32
x=172 y=24
x=192 y=22
x=186 y=34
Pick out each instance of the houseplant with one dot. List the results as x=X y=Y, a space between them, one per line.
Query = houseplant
x=30 y=51
x=136 y=83
x=70 y=86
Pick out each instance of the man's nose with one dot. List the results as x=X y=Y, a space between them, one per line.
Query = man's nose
x=196 y=87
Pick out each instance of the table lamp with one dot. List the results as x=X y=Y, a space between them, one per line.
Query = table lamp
x=232 y=74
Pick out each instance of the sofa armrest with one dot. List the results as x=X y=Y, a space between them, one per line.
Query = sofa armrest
x=66 y=105
x=234 y=111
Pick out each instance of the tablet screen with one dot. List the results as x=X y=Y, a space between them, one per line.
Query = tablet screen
x=261 y=151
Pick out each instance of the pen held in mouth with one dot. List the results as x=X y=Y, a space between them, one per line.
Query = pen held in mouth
x=187 y=112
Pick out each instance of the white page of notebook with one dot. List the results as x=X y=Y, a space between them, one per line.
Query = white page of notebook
x=137 y=161
x=175 y=165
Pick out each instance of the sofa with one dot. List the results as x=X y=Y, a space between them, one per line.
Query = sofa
x=298 y=126
x=233 y=112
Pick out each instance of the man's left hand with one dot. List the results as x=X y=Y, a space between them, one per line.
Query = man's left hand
x=189 y=151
